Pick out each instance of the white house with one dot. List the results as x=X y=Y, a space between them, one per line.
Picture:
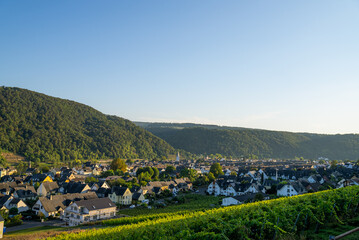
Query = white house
x=290 y=189
x=55 y=204
x=85 y=211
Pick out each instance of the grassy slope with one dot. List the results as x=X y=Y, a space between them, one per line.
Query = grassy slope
x=46 y=128
x=232 y=141
x=254 y=220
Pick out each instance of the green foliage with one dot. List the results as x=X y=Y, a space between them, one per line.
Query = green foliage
x=44 y=128
x=118 y=164
x=216 y=169
x=107 y=173
x=13 y=211
x=211 y=177
x=170 y=169
x=91 y=180
x=259 y=220
x=45 y=169
x=3 y=161
x=190 y=173
x=21 y=167
x=254 y=143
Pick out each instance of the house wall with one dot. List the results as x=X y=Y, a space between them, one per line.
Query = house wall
x=229 y=201
x=287 y=190
x=1 y=228
x=126 y=199
x=74 y=216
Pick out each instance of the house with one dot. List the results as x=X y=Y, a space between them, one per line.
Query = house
x=47 y=188
x=316 y=179
x=103 y=192
x=1 y=226
x=290 y=189
x=7 y=202
x=121 y=195
x=84 y=211
x=17 y=203
x=240 y=199
x=74 y=187
x=7 y=187
x=55 y=204
x=139 y=197
x=38 y=178
x=25 y=194
x=4 y=201
x=3 y=172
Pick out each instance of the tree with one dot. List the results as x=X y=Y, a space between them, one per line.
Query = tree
x=13 y=211
x=334 y=163
x=45 y=169
x=156 y=173
x=3 y=161
x=21 y=167
x=216 y=169
x=211 y=177
x=258 y=197
x=107 y=173
x=91 y=180
x=118 y=163
x=190 y=173
x=149 y=170
x=170 y=169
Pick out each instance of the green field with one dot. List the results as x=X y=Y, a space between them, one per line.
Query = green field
x=284 y=218
x=190 y=202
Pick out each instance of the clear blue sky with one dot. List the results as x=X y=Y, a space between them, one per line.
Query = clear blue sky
x=280 y=65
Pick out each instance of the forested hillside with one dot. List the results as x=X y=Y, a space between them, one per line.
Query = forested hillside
x=238 y=142
x=44 y=128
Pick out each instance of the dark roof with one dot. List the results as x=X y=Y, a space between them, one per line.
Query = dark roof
x=4 y=199
x=74 y=187
x=136 y=196
x=61 y=201
x=120 y=191
x=15 y=201
x=25 y=193
x=248 y=196
x=95 y=204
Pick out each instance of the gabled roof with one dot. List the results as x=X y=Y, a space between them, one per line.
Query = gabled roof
x=4 y=199
x=74 y=187
x=25 y=193
x=62 y=201
x=15 y=201
x=49 y=186
x=96 y=204
x=119 y=191
x=136 y=196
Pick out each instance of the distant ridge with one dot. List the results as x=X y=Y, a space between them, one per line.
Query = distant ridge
x=238 y=142
x=49 y=129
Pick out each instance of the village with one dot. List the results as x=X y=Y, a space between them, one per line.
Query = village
x=94 y=192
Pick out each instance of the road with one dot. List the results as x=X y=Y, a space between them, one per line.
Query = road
x=31 y=224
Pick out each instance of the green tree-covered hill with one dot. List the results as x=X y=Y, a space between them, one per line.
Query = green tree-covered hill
x=237 y=142
x=44 y=128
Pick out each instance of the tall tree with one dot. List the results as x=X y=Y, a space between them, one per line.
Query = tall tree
x=216 y=169
x=118 y=164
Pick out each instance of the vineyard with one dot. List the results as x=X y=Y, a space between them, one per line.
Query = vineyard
x=187 y=202
x=272 y=219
